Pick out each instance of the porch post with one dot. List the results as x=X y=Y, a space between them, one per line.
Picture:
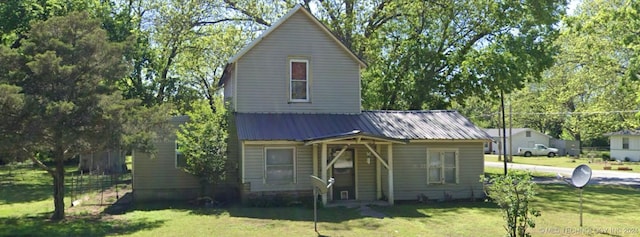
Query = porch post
x=378 y=176
x=323 y=164
x=390 y=164
x=314 y=156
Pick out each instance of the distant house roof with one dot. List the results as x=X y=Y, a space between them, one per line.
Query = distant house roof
x=273 y=27
x=495 y=132
x=403 y=125
x=630 y=132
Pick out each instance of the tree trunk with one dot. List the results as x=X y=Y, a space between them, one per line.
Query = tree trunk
x=58 y=186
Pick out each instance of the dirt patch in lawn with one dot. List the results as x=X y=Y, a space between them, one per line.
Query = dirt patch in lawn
x=112 y=200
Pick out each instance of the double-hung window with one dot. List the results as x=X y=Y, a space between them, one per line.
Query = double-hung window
x=625 y=143
x=442 y=166
x=280 y=165
x=299 y=80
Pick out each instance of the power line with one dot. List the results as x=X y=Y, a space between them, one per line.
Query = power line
x=565 y=113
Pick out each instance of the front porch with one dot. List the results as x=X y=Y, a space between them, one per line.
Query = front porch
x=369 y=157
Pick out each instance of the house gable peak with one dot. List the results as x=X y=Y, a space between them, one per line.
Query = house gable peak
x=297 y=8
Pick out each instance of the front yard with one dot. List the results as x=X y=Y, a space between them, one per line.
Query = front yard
x=608 y=211
x=568 y=162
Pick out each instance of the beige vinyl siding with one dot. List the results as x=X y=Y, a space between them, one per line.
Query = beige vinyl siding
x=366 y=175
x=263 y=80
x=410 y=172
x=229 y=88
x=158 y=178
x=255 y=168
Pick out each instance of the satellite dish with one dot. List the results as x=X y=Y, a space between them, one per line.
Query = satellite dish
x=319 y=184
x=581 y=176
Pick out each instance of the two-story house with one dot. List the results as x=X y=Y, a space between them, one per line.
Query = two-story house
x=295 y=96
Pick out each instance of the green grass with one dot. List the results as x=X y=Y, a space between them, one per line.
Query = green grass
x=611 y=210
x=567 y=162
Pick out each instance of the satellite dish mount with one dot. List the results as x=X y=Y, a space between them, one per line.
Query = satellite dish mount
x=319 y=186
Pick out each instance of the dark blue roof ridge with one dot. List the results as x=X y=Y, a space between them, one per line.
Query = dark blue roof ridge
x=294 y=113
x=364 y=111
x=413 y=111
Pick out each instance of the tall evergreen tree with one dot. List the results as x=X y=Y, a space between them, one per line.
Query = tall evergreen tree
x=59 y=86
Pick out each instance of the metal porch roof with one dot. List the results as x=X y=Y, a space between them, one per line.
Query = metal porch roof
x=409 y=125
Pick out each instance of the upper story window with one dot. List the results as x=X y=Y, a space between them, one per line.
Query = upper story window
x=299 y=80
x=625 y=143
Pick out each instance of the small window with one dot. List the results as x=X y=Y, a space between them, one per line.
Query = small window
x=299 y=80
x=442 y=167
x=625 y=143
x=528 y=134
x=181 y=161
x=279 y=165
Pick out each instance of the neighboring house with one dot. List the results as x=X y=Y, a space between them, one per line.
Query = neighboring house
x=295 y=96
x=107 y=162
x=566 y=147
x=625 y=144
x=521 y=137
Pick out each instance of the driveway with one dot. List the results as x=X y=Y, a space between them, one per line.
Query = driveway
x=597 y=177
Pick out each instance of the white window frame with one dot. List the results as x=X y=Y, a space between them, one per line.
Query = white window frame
x=442 y=166
x=623 y=143
x=294 y=157
x=291 y=80
x=177 y=153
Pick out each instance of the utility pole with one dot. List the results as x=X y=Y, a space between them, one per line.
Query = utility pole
x=510 y=132
x=504 y=131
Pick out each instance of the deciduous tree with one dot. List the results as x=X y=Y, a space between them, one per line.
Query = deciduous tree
x=203 y=142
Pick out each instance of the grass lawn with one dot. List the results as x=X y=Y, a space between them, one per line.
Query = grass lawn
x=609 y=211
x=596 y=163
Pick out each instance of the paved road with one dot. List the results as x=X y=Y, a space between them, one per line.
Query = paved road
x=597 y=177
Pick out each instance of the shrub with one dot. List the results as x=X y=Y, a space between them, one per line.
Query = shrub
x=606 y=156
x=513 y=193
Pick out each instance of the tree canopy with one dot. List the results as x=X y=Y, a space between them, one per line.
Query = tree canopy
x=58 y=89
x=591 y=89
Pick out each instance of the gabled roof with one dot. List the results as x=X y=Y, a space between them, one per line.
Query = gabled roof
x=402 y=125
x=355 y=134
x=629 y=132
x=297 y=8
x=495 y=132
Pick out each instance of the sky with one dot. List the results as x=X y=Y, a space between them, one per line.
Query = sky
x=572 y=6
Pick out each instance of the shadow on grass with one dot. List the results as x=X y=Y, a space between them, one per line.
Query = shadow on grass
x=18 y=193
x=28 y=184
x=73 y=226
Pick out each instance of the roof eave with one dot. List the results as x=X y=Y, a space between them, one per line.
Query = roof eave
x=354 y=135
